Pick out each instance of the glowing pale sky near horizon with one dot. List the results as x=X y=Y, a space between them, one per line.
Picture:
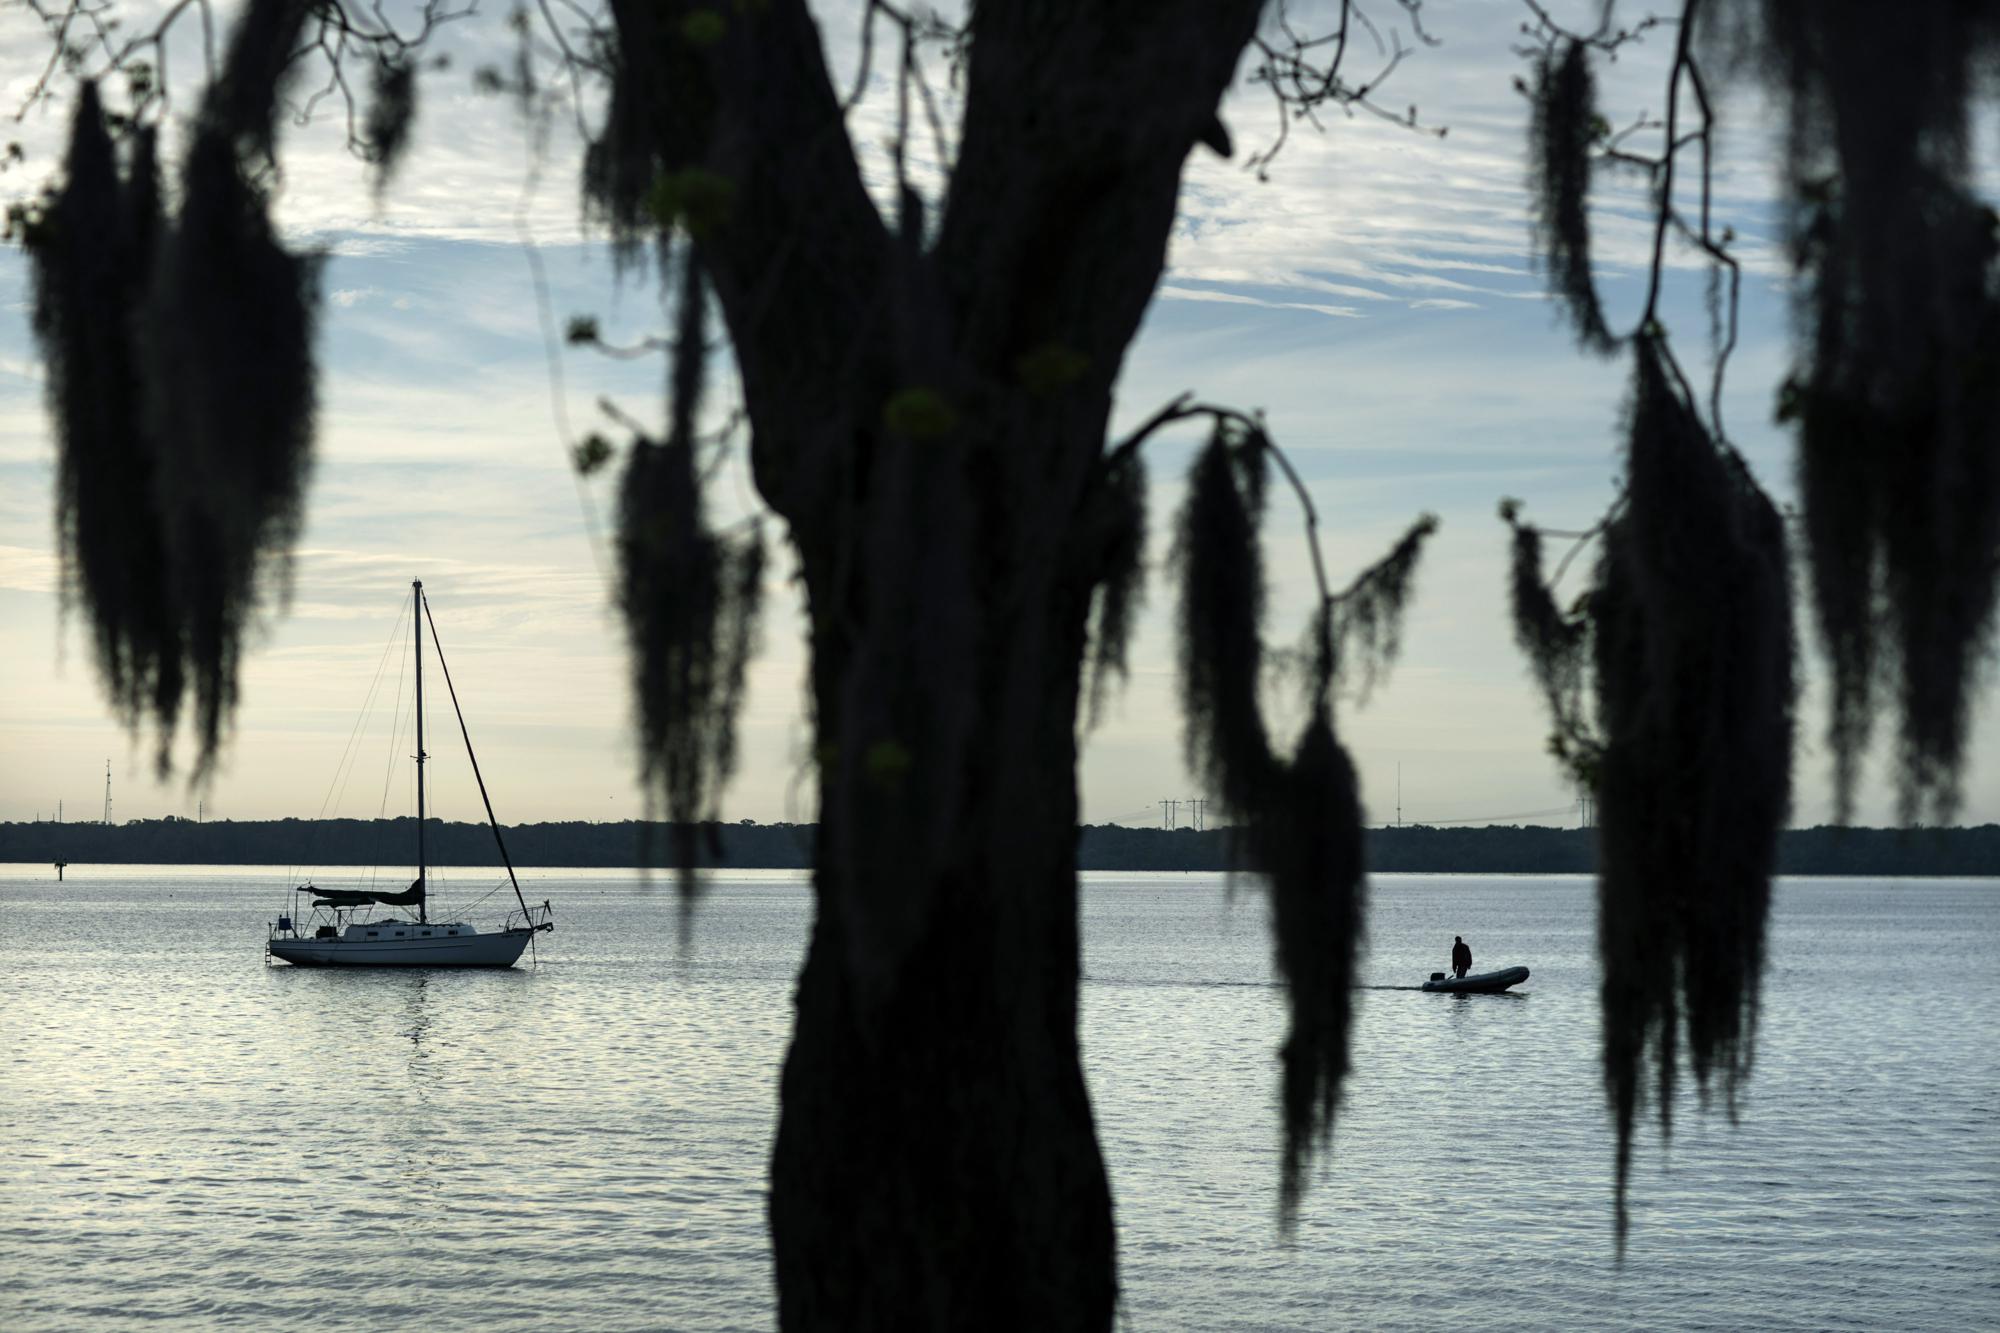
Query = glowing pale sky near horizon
x=1373 y=297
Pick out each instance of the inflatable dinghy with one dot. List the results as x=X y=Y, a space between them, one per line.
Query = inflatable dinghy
x=1479 y=983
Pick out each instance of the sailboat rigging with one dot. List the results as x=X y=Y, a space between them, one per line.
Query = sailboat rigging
x=339 y=928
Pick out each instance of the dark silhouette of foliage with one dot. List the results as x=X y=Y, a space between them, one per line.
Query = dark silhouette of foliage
x=197 y=439
x=1689 y=631
x=1694 y=655
x=227 y=335
x=1222 y=618
x=1896 y=394
x=1563 y=132
x=91 y=251
x=392 y=114
x=1299 y=817
x=241 y=105
x=1412 y=848
x=1121 y=587
x=1367 y=618
x=690 y=599
x=1557 y=643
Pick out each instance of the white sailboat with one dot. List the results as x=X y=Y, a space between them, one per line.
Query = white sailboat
x=339 y=927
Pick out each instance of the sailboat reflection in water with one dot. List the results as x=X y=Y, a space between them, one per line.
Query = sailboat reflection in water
x=340 y=929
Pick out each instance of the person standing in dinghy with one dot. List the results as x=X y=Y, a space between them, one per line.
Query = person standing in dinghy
x=1461 y=956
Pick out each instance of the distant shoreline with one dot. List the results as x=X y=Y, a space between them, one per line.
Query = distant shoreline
x=1423 y=849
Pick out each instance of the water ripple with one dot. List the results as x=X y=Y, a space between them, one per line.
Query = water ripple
x=201 y=1140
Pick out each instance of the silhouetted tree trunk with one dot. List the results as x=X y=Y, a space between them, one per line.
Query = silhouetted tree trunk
x=929 y=406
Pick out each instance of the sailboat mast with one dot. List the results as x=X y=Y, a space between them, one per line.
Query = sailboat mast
x=417 y=620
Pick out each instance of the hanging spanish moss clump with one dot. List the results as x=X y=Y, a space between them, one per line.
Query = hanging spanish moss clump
x=228 y=339
x=690 y=599
x=1308 y=840
x=1563 y=130
x=1120 y=583
x=1557 y=643
x=627 y=182
x=1689 y=628
x=243 y=101
x=90 y=255
x=1897 y=390
x=182 y=384
x=620 y=166
x=1367 y=628
x=392 y=113
x=1221 y=622
x=1299 y=818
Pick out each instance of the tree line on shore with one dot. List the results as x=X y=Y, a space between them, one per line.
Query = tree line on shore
x=1494 y=849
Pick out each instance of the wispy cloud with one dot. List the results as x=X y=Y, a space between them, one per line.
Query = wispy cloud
x=1170 y=292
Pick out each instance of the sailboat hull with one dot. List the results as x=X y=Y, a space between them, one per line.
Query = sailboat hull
x=501 y=949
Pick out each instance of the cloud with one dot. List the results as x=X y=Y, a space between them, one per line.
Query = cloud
x=1170 y=292
x=28 y=569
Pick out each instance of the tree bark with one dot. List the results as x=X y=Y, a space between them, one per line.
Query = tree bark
x=936 y=1164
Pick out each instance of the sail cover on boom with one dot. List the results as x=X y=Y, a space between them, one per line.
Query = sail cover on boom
x=357 y=897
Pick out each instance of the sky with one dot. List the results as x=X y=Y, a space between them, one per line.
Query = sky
x=1374 y=297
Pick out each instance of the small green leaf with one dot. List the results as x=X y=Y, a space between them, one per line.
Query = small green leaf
x=921 y=414
x=695 y=198
x=1791 y=401
x=887 y=761
x=703 y=28
x=1050 y=367
x=592 y=452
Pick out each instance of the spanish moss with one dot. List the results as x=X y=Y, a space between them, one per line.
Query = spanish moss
x=1300 y=818
x=1898 y=380
x=1693 y=648
x=1367 y=622
x=183 y=389
x=1557 y=643
x=1221 y=621
x=1308 y=840
x=1562 y=133
x=392 y=112
x=624 y=168
x=231 y=395
x=90 y=261
x=1120 y=584
x=619 y=168
x=243 y=101
x=690 y=602
x=690 y=599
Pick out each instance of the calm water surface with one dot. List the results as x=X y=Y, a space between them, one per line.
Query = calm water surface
x=197 y=1138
